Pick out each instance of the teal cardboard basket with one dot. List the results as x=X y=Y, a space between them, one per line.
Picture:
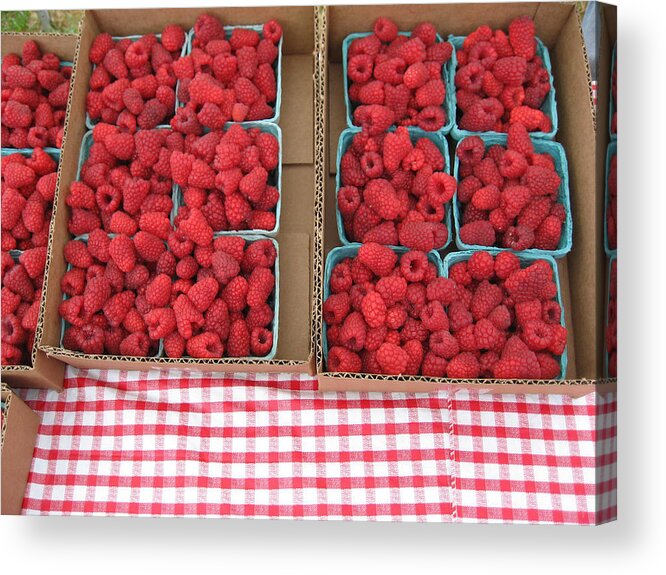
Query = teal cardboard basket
x=64 y=324
x=549 y=106
x=90 y=123
x=611 y=260
x=336 y=255
x=344 y=142
x=274 y=298
x=610 y=152
x=449 y=102
x=277 y=66
x=611 y=102
x=50 y=150
x=525 y=260
x=274 y=179
x=87 y=142
x=556 y=151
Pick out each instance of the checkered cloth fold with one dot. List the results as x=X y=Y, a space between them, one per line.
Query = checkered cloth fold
x=271 y=446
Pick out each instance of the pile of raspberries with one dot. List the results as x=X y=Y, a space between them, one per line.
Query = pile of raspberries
x=611 y=208
x=35 y=89
x=393 y=315
x=28 y=190
x=227 y=80
x=509 y=195
x=396 y=80
x=133 y=83
x=22 y=282
x=611 y=324
x=500 y=80
x=125 y=183
x=203 y=297
x=395 y=192
x=230 y=177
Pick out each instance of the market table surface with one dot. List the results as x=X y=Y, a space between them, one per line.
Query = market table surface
x=167 y=443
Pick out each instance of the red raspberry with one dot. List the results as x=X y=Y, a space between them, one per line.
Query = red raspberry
x=481 y=266
x=341 y=359
x=431 y=118
x=533 y=120
x=482 y=116
x=392 y=290
x=374 y=119
x=341 y=280
x=470 y=151
x=537 y=335
x=353 y=331
x=158 y=291
x=379 y=259
x=541 y=181
x=76 y=253
x=123 y=252
x=99 y=47
x=117 y=307
x=392 y=359
x=173 y=37
x=336 y=308
x=510 y=70
x=521 y=37
x=443 y=344
x=260 y=286
x=518 y=238
x=465 y=365
x=486 y=298
x=413 y=329
x=380 y=197
x=396 y=146
x=505 y=264
x=422 y=236
x=385 y=234
x=434 y=317
x=33 y=260
x=235 y=294
x=373 y=309
x=174 y=345
x=480 y=233
x=136 y=344
x=206 y=345
x=416 y=76
x=441 y=187
x=547 y=236
x=517 y=362
x=432 y=93
x=196 y=228
x=385 y=29
x=96 y=294
x=413 y=265
x=161 y=322
x=260 y=253
x=238 y=343
x=487 y=198
x=188 y=318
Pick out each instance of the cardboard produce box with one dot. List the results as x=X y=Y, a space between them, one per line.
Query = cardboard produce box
x=44 y=372
x=296 y=238
x=582 y=272
x=19 y=434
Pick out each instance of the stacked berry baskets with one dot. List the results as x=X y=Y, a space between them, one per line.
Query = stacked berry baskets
x=35 y=87
x=395 y=303
x=177 y=197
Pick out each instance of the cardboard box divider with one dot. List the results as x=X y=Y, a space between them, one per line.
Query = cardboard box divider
x=19 y=434
x=44 y=372
x=582 y=272
x=295 y=352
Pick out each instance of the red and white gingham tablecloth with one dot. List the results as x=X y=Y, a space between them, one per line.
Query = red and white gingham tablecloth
x=187 y=444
